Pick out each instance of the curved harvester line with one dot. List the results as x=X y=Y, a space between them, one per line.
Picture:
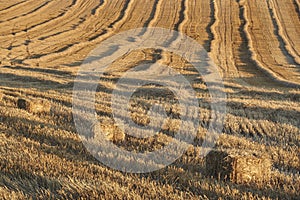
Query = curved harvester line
x=290 y=37
x=40 y=24
x=183 y=16
x=196 y=16
x=95 y=10
x=180 y=13
x=164 y=15
x=124 y=14
x=209 y=28
x=56 y=22
x=161 y=13
x=231 y=21
x=222 y=30
x=53 y=22
x=40 y=6
x=70 y=20
x=111 y=25
x=278 y=30
x=250 y=74
x=23 y=34
x=200 y=19
x=131 y=18
x=156 y=14
x=153 y=13
x=254 y=55
x=136 y=20
x=7 y=9
x=213 y=28
x=297 y=7
x=67 y=50
x=178 y=26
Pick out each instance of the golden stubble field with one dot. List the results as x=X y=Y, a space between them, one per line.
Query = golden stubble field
x=255 y=45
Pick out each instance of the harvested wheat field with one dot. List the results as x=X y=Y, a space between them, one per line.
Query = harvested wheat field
x=255 y=45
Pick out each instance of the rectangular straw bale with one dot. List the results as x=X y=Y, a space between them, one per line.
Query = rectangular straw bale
x=34 y=105
x=238 y=167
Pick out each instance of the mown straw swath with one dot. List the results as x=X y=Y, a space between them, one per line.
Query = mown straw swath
x=238 y=167
x=34 y=105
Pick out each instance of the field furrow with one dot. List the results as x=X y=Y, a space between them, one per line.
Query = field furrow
x=198 y=21
x=76 y=37
x=7 y=7
x=297 y=7
x=264 y=44
x=36 y=8
x=288 y=23
x=283 y=43
x=19 y=26
x=167 y=14
x=182 y=16
x=249 y=72
x=225 y=26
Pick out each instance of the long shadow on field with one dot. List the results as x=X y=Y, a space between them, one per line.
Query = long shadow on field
x=185 y=184
x=185 y=179
x=248 y=65
x=74 y=149
x=34 y=69
x=208 y=42
x=29 y=82
x=49 y=143
x=278 y=115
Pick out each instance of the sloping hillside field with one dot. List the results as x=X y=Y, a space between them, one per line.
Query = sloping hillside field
x=152 y=99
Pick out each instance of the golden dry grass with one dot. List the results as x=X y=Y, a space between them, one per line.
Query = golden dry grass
x=255 y=44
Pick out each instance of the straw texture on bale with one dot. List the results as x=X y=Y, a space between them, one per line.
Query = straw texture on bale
x=239 y=168
x=110 y=131
x=34 y=106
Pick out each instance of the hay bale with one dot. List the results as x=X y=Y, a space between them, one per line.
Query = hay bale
x=238 y=168
x=111 y=132
x=34 y=106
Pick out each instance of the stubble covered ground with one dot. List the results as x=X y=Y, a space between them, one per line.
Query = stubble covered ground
x=255 y=44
